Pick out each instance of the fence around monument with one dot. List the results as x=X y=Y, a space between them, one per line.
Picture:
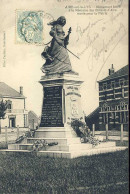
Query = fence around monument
x=9 y=135
x=111 y=134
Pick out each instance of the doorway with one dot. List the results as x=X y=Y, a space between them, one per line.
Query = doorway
x=12 y=122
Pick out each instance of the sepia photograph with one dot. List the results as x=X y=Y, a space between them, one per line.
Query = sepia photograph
x=64 y=97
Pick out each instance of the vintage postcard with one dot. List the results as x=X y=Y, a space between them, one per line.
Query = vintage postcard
x=64 y=111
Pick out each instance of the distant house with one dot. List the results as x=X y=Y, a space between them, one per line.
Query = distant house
x=33 y=120
x=93 y=118
x=113 y=99
x=16 y=114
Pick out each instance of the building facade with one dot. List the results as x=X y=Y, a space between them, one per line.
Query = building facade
x=16 y=113
x=113 y=99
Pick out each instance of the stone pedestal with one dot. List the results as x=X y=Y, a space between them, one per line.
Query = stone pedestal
x=61 y=103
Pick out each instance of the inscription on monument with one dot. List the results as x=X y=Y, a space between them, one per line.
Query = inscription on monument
x=52 y=107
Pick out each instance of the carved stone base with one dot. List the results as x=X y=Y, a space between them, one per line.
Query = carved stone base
x=61 y=100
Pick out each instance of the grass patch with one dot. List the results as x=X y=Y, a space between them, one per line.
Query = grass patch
x=31 y=174
x=124 y=143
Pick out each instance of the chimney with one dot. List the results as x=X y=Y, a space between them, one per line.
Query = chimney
x=111 y=70
x=21 y=90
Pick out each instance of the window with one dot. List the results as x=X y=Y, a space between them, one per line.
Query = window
x=105 y=106
x=112 y=84
x=117 y=117
x=104 y=86
x=126 y=82
x=126 y=107
x=100 y=87
x=105 y=96
x=122 y=105
x=108 y=108
x=121 y=82
x=9 y=104
x=123 y=92
x=113 y=94
x=112 y=115
x=118 y=107
x=123 y=117
x=112 y=108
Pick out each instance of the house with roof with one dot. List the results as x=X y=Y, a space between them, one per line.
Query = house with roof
x=113 y=99
x=16 y=113
x=33 y=120
x=93 y=118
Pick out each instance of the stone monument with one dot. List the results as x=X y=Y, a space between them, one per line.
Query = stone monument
x=61 y=85
x=61 y=104
x=61 y=90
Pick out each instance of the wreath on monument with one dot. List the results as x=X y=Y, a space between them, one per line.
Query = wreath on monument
x=83 y=131
x=42 y=144
x=38 y=144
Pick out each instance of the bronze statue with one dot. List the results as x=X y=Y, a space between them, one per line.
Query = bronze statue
x=56 y=55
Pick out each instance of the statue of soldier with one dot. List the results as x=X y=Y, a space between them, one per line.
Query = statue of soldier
x=56 y=55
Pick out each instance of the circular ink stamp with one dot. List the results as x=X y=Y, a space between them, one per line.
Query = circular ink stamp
x=29 y=27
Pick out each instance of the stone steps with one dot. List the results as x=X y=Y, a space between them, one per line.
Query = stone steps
x=62 y=147
x=68 y=147
x=61 y=154
x=53 y=134
x=63 y=141
x=71 y=153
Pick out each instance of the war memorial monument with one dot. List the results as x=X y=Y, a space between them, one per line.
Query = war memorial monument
x=61 y=103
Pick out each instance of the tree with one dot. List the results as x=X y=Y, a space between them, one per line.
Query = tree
x=3 y=107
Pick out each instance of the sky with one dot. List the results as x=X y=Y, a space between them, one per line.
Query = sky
x=99 y=40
